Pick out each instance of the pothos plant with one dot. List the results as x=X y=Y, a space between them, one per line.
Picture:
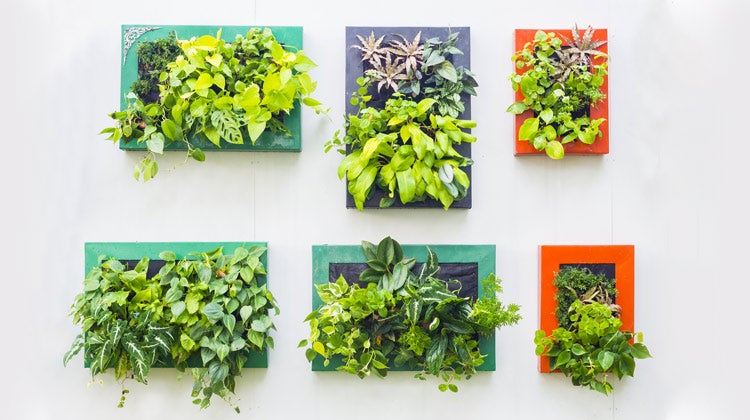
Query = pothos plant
x=211 y=311
x=559 y=82
x=217 y=91
x=404 y=142
x=399 y=316
x=589 y=345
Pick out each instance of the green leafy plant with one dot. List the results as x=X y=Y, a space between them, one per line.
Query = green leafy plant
x=216 y=90
x=589 y=346
x=211 y=311
x=153 y=58
x=407 y=144
x=404 y=318
x=559 y=84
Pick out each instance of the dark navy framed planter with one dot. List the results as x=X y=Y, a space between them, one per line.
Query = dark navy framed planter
x=355 y=68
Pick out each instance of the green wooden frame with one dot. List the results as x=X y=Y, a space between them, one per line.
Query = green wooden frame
x=137 y=250
x=287 y=35
x=482 y=255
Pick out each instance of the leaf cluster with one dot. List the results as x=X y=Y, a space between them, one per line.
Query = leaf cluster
x=419 y=69
x=212 y=311
x=574 y=283
x=559 y=83
x=403 y=318
x=153 y=57
x=404 y=148
x=217 y=91
x=589 y=346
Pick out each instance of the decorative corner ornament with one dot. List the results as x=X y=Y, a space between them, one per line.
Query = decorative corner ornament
x=130 y=35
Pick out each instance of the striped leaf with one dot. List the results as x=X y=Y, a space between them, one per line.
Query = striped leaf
x=74 y=349
x=413 y=310
x=140 y=370
x=118 y=329
x=105 y=354
x=134 y=350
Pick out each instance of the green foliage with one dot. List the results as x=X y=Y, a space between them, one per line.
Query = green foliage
x=403 y=318
x=419 y=70
x=403 y=148
x=153 y=57
x=211 y=310
x=589 y=346
x=580 y=283
x=217 y=91
x=559 y=83
x=406 y=148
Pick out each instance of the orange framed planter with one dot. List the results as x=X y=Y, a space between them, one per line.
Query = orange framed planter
x=601 y=110
x=618 y=259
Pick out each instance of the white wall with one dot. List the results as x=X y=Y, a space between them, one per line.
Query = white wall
x=674 y=184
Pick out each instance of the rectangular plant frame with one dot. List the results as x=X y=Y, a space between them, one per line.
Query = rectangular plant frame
x=136 y=250
x=601 y=110
x=355 y=69
x=286 y=35
x=552 y=257
x=483 y=256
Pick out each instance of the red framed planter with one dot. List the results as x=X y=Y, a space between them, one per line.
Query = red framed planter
x=616 y=261
x=601 y=110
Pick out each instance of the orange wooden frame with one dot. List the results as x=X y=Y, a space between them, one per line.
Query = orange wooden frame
x=550 y=259
x=601 y=110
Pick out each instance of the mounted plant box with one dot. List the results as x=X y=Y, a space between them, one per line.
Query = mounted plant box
x=589 y=290
x=198 y=305
x=561 y=82
x=405 y=302
x=217 y=88
x=414 y=149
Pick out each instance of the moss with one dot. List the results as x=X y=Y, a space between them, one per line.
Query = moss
x=571 y=283
x=153 y=57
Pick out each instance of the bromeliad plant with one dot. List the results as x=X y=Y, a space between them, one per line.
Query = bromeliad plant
x=406 y=144
x=211 y=311
x=560 y=83
x=214 y=90
x=589 y=345
x=402 y=318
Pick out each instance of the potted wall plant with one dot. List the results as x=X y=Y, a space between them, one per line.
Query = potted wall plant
x=190 y=89
x=209 y=311
x=397 y=314
x=406 y=132
x=584 y=335
x=561 y=92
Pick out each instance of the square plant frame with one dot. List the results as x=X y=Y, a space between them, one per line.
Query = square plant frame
x=552 y=257
x=268 y=141
x=137 y=250
x=355 y=69
x=481 y=255
x=601 y=110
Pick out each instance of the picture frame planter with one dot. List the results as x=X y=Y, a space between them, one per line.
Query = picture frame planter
x=450 y=287
x=612 y=261
x=600 y=110
x=183 y=305
x=132 y=35
x=209 y=92
x=411 y=187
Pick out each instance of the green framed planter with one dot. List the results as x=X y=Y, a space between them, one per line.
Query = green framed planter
x=478 y=259
x=134 y=251
x=286 y=35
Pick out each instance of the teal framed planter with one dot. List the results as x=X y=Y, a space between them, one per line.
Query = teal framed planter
x=467 y=263
x=128 y=252
x=290 y=36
